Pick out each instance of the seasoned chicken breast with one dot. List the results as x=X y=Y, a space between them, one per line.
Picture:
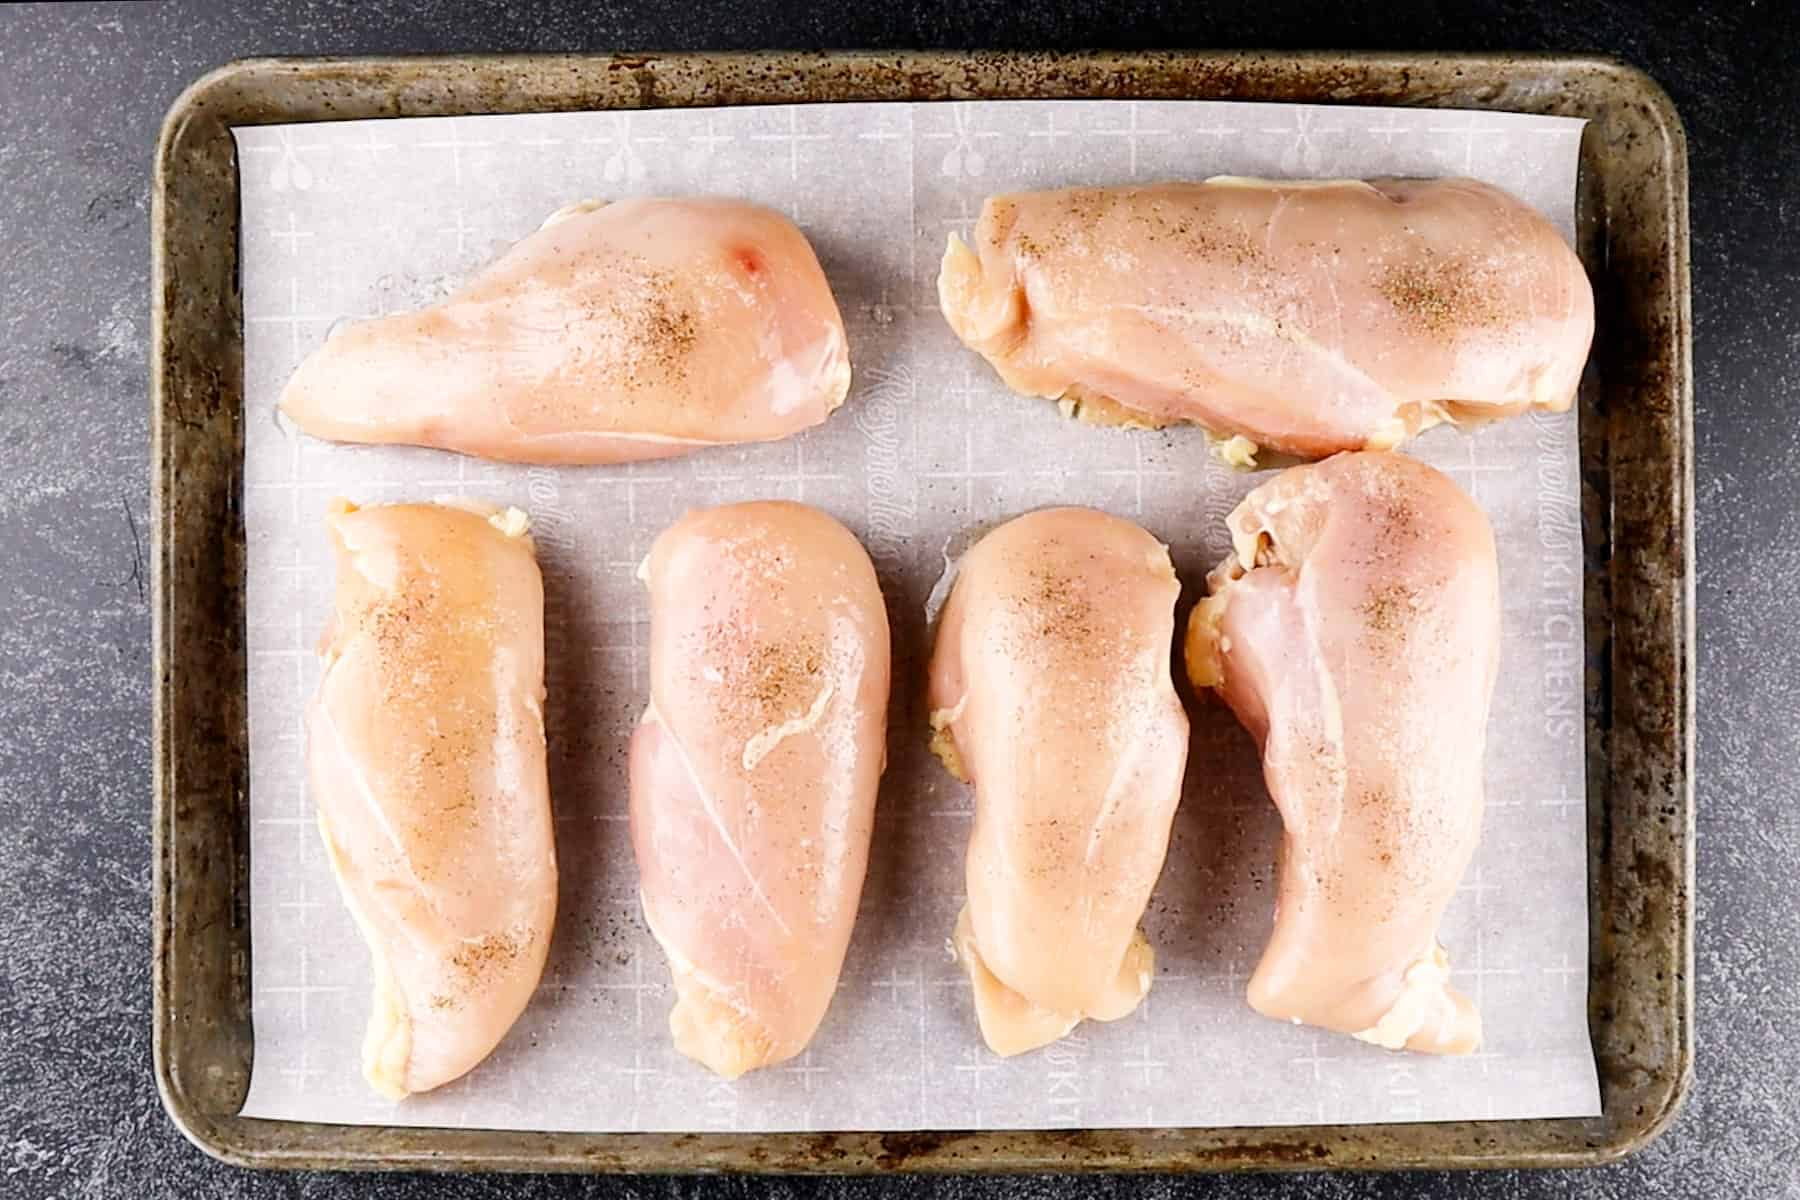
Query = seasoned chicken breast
x=425 y=745
x=1050 y=693
x=754 y=770
x=1355 y=631
x=1309 y=317
x=633 y=330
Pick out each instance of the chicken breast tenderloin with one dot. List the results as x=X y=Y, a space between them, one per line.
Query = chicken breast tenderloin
x=425 y=744
x=634 y=330
x=1050 y=692
x=1355 y=631
x=754 y=770
x=1309 y=317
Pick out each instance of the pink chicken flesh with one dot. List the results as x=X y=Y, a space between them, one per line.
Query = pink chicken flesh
x=1050 y=693
x=634 y=330
x=1307 y=317
x=754 y=771
x=426 y=750
x=1355 y=631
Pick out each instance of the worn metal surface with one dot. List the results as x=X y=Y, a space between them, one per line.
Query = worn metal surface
x=1637 y=480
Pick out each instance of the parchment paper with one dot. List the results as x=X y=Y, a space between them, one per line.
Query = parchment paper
x=353 y=219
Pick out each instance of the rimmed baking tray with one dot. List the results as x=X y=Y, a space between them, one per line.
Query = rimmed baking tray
x=1637 y=501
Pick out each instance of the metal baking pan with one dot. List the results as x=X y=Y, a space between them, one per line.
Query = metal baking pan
x=1637 y=485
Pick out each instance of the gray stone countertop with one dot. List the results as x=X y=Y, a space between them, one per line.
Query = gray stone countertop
x=82 y=91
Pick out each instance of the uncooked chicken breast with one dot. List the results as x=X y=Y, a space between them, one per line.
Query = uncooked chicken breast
x=1050 y=693
x=1355 y=631
x=426 y=749
x=633 y=330
x=1307 y=317
x=754 y=771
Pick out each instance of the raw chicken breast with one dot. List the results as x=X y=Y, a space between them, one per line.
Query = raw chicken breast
x=1308 y=317
x=1050 y=692
x=754 y=771
x=634 y=330
x=1355 y=631
x=426 y=749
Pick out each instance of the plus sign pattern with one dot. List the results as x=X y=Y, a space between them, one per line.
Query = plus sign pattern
x=356 y=219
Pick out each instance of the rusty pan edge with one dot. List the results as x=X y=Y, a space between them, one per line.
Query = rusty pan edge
x=201 y=1017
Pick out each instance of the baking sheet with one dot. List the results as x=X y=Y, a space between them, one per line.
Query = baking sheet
x=353 y=219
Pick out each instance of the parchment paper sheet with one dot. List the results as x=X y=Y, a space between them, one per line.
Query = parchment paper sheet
x=353 y=219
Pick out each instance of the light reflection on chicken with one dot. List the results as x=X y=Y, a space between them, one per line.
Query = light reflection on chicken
x=1355 y=632
x=1050 y=692
x=425 y=744
x=1308 y=317
x=754 y=770
x=634 y=330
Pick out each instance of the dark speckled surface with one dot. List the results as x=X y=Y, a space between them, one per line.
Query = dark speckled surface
x=82 y=90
